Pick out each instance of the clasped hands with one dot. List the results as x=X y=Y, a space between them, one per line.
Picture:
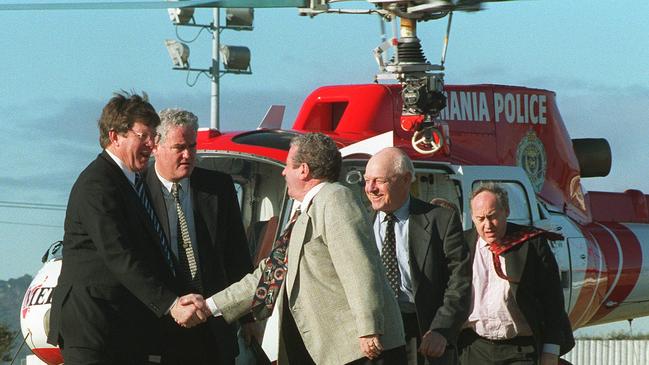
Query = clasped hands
x=190 y=310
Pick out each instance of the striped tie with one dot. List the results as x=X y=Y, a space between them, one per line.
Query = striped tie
x=187 y=260
x=164 y=245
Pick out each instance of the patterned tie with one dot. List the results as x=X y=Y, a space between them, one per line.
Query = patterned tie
x=272 y=278
x=389 y=254
x=164 y=245
x=187 y=267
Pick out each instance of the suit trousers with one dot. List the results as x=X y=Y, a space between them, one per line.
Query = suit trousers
x=196 y=345
x=413 y=341
x=474 y=349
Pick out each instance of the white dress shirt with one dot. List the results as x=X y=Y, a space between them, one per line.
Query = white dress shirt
x=495 y=314
x=185 y=196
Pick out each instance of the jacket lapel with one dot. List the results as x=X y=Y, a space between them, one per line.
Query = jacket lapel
x=157 y=200
x=515 y=260
x=205 y=207
x=128 y=190
x=419 y=233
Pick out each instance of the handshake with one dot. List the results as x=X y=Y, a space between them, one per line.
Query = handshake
x=190 y=310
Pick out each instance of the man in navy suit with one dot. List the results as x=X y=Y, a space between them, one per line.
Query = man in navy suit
x=116 y=273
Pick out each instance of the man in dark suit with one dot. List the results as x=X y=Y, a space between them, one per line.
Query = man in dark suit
x=425 y=256
x=518 y=311
x=199 y=212
x=114 y=279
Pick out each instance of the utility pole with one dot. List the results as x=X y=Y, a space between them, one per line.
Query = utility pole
x=215 y=69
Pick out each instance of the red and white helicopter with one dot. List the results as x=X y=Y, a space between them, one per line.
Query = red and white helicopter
x=606 y=235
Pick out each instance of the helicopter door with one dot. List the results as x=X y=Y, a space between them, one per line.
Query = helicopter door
x=261 y=191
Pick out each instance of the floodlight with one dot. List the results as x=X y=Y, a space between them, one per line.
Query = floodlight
x=239 y=18
x=179 y=53
x=180 y=15
x=235 y=58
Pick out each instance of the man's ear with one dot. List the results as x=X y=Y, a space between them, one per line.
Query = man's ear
x=305 y=171
x=113 y=137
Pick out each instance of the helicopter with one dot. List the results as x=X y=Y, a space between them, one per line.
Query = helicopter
x=601 y=258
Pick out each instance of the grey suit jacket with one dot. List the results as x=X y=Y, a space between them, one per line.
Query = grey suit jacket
x=336 y=289
x=441 y=269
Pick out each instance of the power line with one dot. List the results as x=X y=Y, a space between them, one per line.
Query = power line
x=26 y=205
x=32 y=224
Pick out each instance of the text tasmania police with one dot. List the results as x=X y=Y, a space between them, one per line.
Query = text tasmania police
x=510 y=107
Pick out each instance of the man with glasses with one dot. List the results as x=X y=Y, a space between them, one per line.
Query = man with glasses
x=199 y=213
x=113 y=286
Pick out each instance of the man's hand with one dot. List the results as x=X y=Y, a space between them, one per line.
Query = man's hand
x=371 y=346
x=549 y=359
x=432 y=344
x=199 y=303
x=190 y=310
x=252 y=330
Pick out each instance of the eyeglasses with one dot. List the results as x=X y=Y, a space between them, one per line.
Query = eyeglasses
x=143 y=137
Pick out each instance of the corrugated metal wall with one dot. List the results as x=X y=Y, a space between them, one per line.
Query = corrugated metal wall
x=614 y=352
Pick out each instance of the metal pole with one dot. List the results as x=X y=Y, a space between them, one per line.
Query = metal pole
x=214 y=115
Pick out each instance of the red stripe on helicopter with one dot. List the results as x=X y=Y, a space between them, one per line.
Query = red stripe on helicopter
x=631 y=266
x=593 y=287
x=49 y=355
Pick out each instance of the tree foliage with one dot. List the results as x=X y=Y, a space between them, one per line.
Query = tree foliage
x=618 y=335
x=6 y=341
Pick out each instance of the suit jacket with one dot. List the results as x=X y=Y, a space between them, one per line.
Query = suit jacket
x=113 y=282
x=538 y=293
x=336 y=289
x=440 y=266
x=222 y=245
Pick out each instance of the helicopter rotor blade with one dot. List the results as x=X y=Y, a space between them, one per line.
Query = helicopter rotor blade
x=136 y=5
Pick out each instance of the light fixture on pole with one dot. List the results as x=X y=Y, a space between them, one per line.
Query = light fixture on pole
x=239 y=18
x=179 y=53
x=236 y=59
x=180 y=16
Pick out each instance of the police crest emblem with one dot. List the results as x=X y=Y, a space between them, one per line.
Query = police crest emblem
x=530 y=155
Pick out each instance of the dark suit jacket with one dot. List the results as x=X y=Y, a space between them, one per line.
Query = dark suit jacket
x=112 y=284
x=441 y=269
x=222 y=245
x=538 y=294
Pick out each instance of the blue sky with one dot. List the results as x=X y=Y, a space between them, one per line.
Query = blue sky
x=59 y=68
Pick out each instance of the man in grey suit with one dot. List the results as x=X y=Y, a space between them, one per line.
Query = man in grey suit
x=425 y=255
x=335 y=304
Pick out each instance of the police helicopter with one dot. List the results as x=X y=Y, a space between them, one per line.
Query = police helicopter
x=443 y=128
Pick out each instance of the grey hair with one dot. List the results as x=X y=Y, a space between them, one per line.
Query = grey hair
x=403 y=164
x=502 y=198
x=175 y=117
x=320 y=153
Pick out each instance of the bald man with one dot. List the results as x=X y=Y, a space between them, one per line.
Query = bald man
x=425 y=256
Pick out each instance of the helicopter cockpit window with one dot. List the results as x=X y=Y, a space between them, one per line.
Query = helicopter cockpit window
x=260 y=190
x=430 y=182
x=519 y=207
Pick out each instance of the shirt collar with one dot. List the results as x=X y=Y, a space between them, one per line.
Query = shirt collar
x=184 y=183
x=309 y=196
x=482 y=243
x=402 y=214
x=130 y=175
